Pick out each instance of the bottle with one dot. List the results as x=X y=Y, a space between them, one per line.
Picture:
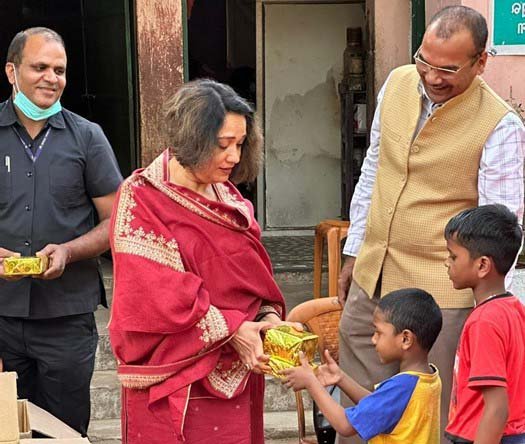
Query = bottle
x=353 y=56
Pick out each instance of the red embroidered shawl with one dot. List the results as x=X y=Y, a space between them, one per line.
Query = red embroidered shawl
x=187 y=273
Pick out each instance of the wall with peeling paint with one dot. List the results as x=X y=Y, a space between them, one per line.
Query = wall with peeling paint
x=433 y=6
x=160 y=67
x=503 y=72
x=303 y=59
x=392 y=41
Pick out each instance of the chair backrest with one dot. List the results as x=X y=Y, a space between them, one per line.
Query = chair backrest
x=321 y=317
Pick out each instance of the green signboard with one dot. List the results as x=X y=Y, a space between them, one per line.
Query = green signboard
x=508 y=26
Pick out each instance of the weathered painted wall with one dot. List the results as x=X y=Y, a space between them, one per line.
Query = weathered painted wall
x=160 y=67
x=433 y=6
x=392 y=29
x=303 y=57
x=503 y=72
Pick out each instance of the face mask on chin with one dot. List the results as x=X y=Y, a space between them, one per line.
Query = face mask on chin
x=29 y=109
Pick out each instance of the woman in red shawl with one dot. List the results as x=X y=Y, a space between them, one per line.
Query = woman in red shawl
x=193 y=283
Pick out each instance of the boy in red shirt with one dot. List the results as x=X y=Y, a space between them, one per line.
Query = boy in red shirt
x=488 y=394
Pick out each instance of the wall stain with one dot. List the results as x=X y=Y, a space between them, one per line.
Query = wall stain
x=294 y=130
x=303 y=152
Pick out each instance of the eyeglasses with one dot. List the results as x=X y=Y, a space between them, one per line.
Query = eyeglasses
x=445 y=73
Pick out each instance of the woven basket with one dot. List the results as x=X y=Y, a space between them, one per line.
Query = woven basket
x=321 y=317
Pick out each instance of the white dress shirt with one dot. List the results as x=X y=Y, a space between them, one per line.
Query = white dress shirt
x=500 y=178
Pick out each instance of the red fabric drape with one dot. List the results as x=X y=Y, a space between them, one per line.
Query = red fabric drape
x=187 y=273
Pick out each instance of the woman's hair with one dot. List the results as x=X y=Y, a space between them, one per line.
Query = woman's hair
x=195 y=114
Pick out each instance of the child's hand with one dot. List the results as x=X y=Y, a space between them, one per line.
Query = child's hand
x=329 y=373
x=298 y=378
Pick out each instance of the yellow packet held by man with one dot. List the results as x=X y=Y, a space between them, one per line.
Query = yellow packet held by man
x=24 y=266
x=284 y=343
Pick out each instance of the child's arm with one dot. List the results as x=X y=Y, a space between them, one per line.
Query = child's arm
x=331 y=374
x=495 y=414
x=303 y=377
x=332 y=411
x=352 y=389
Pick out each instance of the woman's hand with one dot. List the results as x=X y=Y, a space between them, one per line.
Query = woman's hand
x=329 y=373
x=248 y=344
x=275 y=321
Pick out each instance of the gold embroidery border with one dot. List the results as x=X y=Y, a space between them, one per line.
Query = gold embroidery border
x=213 y=326
x=141 y=382
x=156 y=174
x=137 y=241
x=231 y=199
x=228 y=381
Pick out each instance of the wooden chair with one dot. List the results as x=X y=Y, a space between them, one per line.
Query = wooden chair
x=322 y=314
x=321 y=317
x=334 y=231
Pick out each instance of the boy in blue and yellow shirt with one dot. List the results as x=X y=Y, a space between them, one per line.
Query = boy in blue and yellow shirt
x=403 y=408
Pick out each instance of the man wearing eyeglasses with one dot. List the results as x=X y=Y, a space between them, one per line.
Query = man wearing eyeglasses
x=441 y=141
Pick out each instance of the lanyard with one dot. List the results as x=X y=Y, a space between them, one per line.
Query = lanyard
x=27 y=148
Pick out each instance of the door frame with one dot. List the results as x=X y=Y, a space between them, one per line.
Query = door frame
x=260 y=81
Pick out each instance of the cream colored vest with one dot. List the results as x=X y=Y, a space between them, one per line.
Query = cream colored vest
x=421 y=184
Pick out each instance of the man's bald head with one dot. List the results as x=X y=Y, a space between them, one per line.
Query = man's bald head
x=453 y=19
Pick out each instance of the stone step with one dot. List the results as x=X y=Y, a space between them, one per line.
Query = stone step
x=105 y=396
x=104 y=359
x=279 y=428
x=310 y=438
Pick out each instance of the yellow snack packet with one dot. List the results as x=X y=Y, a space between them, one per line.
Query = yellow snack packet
x=25 y=266
x=284 y=343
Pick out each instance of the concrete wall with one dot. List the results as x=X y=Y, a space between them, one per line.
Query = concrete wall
x=160 y=67
x=433 y=6
x=392 y=37
x=303 y=57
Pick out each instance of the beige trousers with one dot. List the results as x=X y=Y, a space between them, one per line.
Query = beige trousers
x=358 y=358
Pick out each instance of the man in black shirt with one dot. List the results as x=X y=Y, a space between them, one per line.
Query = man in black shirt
x=58 y=178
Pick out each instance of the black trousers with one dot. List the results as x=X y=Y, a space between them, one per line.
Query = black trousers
x=54 y=360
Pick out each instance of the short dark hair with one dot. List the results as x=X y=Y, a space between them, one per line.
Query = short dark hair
x=415 y=310
x=488 y=230
x=17 y=45
x=448 y=21
x=195 y=114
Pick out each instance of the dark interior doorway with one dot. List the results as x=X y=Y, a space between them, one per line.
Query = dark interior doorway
x=101 y=73
x=221 y=46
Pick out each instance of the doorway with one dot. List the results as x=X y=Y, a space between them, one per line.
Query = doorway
x=301 y=46
x=221 y=46
x=101 y=65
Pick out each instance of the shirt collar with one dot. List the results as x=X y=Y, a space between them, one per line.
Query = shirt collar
x=8 y=116
x=426 y=99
